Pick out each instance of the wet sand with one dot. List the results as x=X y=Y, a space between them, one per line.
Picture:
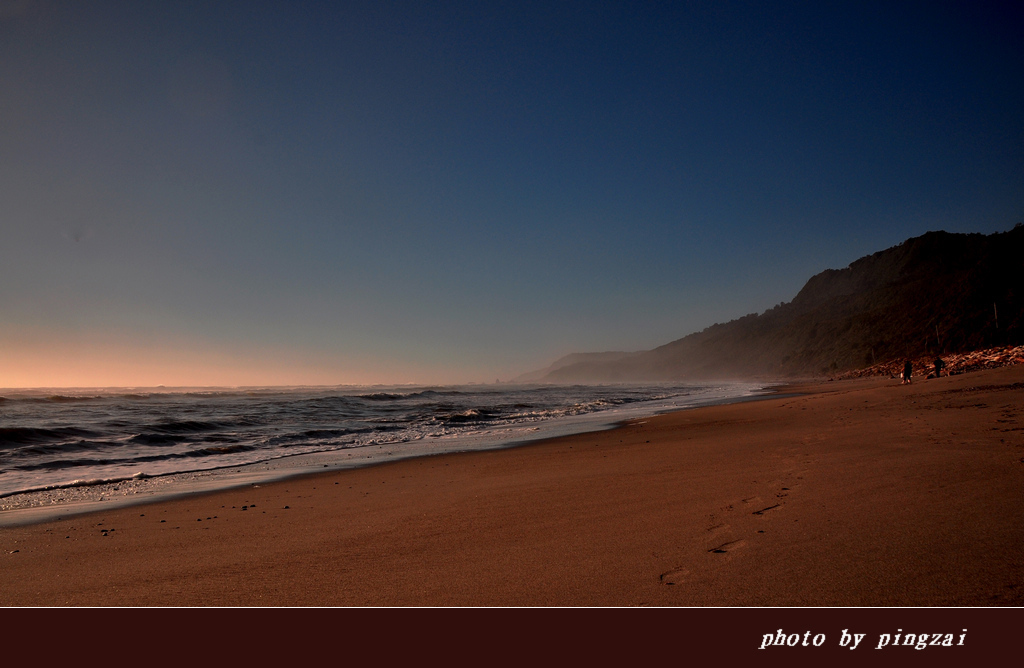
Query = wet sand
x=860 y=492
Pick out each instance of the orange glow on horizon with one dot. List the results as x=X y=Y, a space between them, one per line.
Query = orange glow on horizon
x=55 y=366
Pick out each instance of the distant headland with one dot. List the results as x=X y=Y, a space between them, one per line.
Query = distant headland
x=937 y=294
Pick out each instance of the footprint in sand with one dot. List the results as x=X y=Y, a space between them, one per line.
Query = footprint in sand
x=728 y=547
x=718 y=530
x=675 y=576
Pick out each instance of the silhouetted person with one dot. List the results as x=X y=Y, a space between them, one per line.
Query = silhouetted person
x=908 y=369
x=938 y=366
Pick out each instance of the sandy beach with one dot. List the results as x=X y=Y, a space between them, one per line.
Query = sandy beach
x=853 y=493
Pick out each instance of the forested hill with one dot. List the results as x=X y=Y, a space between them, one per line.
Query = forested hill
x=937 y=293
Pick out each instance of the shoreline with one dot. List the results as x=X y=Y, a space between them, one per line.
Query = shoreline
x=60 y=502
x=859 y=492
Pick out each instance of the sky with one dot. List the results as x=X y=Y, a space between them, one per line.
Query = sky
x=322 y=193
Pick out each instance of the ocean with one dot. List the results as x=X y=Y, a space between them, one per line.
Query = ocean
x=91 y=445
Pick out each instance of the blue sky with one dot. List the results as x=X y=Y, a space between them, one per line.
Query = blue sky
x=290 y=193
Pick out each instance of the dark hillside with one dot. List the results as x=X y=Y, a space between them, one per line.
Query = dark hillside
x=937 y=293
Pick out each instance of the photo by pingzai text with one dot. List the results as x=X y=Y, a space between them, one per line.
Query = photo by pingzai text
x=853 y=640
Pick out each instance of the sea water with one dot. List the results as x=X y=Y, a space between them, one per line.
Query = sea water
x=91 y=445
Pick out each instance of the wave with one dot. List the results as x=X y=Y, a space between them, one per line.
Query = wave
x=185 y=426
x=64 y=434
x=382 y=396
x=331 y=433
x=90 y=482
x=56 y=465
x=69 y=399
x=471 y=415
x=18 y=436
x=158 y=439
